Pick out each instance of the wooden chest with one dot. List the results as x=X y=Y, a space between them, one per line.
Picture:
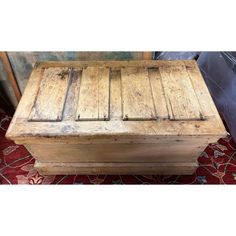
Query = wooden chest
x=123 y=117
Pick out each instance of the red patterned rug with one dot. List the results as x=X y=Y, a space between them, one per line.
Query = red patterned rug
x=217 y=165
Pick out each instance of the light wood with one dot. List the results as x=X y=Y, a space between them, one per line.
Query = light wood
x=115 y=168
x=207 y=105
x=122 y=116
x=72 y=95
x=124 y=152
x=88 y=96
x=103 y=94
x=113 y=64
x=115 y=95
x=158 y=93
x=136 y=94
x=181 y=98
x=94 y=94
x=49 y=103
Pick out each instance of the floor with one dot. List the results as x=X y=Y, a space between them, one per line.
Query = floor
x=217 y=165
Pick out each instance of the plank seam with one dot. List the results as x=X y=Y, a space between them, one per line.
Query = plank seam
x=202 y=116
x=36 y=96
x=77 y=116
x=98 y=84
x=151 y=89
x=164 y=93
x=67 y=89
x=122 y=101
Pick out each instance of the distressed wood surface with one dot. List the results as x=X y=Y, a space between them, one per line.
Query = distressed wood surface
x=208 y=107
x=103 y=94
x=130 y=117
x=115 y=168
x=94 y=94
x=181 y=98
x=72 y=95
x=70 y=128
x=113 y=64
x=158 y=93
x=115 y=95
x=88 y=95
x=178 y=151
x=136 y=94
x=49 y=103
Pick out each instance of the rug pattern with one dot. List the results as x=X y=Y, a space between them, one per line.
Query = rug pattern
x=217 y=165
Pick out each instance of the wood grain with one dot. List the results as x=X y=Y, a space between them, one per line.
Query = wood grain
x=158 y=93
x=51 y=96
x=103 y=94
x=148 y=92
x=94 y=94
x=136 y=95
x=71 y=102
x=88 y=96
x=185 y=151
x=112 y=64
x=207 y=105
x=115 y=95
x=20 y=129
x=181 y=98
x=115 y=168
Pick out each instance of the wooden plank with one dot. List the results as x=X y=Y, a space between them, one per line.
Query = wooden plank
x=10 y=75
x=207 y=105
x=116 y=139
x=103 y=93
x=136 y=94
x=158 y=94
x=167 y=151
x=69 y=113
x=94 y=95
x=115 y=95
x=27 y=101
x=180 y=95
x=115 y=168
x=111 y=64
x=78 y=131
x=88 y=97
x=50 y=99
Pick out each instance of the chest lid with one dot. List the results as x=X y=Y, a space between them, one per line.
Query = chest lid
x=127 y=98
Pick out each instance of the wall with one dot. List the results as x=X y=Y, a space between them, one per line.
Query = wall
x=23 y=62
x=5 y=87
